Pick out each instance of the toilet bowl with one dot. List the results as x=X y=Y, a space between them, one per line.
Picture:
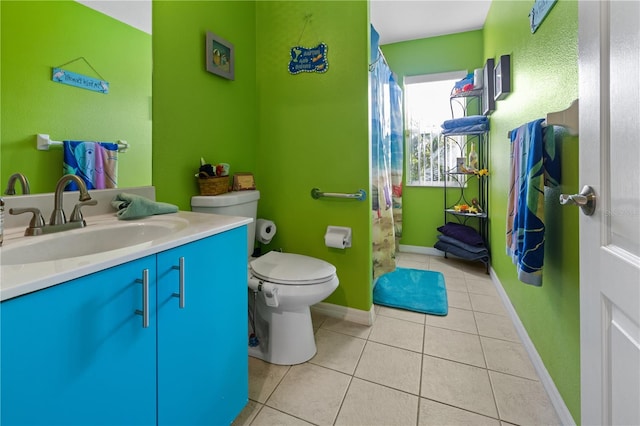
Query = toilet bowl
x=282 y=287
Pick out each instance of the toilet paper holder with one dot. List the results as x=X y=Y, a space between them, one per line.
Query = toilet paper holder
x=343 y=231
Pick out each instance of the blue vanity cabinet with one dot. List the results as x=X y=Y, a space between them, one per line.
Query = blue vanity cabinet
x=77 y=354
x=202 y=346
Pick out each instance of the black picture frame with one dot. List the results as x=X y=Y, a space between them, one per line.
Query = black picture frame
x=220 y=56
x=502 y=77
x=488 y=101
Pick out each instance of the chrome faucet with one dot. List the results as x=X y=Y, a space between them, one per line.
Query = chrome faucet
x=58 y=221
x=24 y=182
x=57 y=215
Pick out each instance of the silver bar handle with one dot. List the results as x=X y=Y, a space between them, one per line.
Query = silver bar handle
x=145 y=298
x=180 y=293
x=361 y=195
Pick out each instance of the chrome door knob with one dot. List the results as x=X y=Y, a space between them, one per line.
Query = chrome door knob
x=586 y=199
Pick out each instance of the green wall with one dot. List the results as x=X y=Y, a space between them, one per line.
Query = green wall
x=39 y=35
x=422 y=206
x=544 y=68
x=304 y=131
x=196 y=113
x=294 y=132
x=544 y=79
x=314 y=133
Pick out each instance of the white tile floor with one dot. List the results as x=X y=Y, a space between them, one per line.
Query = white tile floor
x=467 y=368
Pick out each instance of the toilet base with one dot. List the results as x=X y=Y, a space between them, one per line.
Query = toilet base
x=286 y=337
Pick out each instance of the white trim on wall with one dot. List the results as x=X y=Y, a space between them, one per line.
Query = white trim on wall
x=421 y=250
x=344 y=313
x=545 y=377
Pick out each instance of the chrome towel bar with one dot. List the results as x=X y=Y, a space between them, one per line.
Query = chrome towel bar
x=361 y=195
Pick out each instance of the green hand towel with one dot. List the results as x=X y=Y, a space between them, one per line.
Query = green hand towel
x=132 y=206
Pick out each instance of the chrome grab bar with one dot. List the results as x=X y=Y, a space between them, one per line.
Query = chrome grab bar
x=361 y=195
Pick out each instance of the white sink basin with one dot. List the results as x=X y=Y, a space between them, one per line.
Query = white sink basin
x=29 y=264
x=94 y=238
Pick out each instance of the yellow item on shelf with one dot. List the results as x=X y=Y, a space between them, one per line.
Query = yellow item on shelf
x=481 y=172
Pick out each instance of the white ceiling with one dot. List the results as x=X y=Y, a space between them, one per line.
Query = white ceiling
x=402 y=20
x=395 y=20
x=136 y=13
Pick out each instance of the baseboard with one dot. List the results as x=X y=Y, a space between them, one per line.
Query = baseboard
x=431 y=251
x=348 y=314
x=547 y=382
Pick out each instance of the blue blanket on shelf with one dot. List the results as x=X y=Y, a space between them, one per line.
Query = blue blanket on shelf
x=473 y=128
x=470 y=120
x=458 y=251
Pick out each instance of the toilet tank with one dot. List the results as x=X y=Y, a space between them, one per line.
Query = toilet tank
x=234 y=203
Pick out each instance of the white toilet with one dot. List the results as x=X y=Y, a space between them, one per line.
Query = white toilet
x=282 y=285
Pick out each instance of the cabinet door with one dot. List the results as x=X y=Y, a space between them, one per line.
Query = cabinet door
x=77 y=353
x=202 y=347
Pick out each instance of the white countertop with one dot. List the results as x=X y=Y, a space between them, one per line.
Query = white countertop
x=17 y=280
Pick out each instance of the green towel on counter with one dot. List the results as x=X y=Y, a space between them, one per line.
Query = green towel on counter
x=132 y=206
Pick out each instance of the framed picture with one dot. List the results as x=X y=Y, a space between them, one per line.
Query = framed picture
x=243 y=181
x=488 y=101
x=220 y=56
x=539 y=11
x=502 y=77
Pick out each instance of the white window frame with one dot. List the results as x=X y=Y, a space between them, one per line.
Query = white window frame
x=433 y=132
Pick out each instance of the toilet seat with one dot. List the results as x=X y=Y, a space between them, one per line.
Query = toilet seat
x=291 y=269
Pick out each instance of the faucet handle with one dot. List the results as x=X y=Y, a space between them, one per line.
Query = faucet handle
x=76 y=214
x=37 y=221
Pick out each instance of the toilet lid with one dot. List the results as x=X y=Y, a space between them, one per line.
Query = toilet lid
x=289 y=268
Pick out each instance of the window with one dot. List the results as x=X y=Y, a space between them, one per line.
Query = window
x=426 y=107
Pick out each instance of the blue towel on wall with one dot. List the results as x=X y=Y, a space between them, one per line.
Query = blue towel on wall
x=96 y=163
x=534 y=163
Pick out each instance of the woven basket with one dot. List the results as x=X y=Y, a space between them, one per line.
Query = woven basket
x=214 y=185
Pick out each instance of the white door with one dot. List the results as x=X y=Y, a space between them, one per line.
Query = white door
x=609 y=69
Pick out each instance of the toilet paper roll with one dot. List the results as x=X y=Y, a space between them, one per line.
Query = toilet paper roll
x=265 y=230
x=335 y=240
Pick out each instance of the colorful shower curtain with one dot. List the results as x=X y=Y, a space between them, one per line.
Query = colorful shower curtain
x=386 y=160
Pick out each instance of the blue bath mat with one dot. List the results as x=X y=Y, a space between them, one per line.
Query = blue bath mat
x=413 y=290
